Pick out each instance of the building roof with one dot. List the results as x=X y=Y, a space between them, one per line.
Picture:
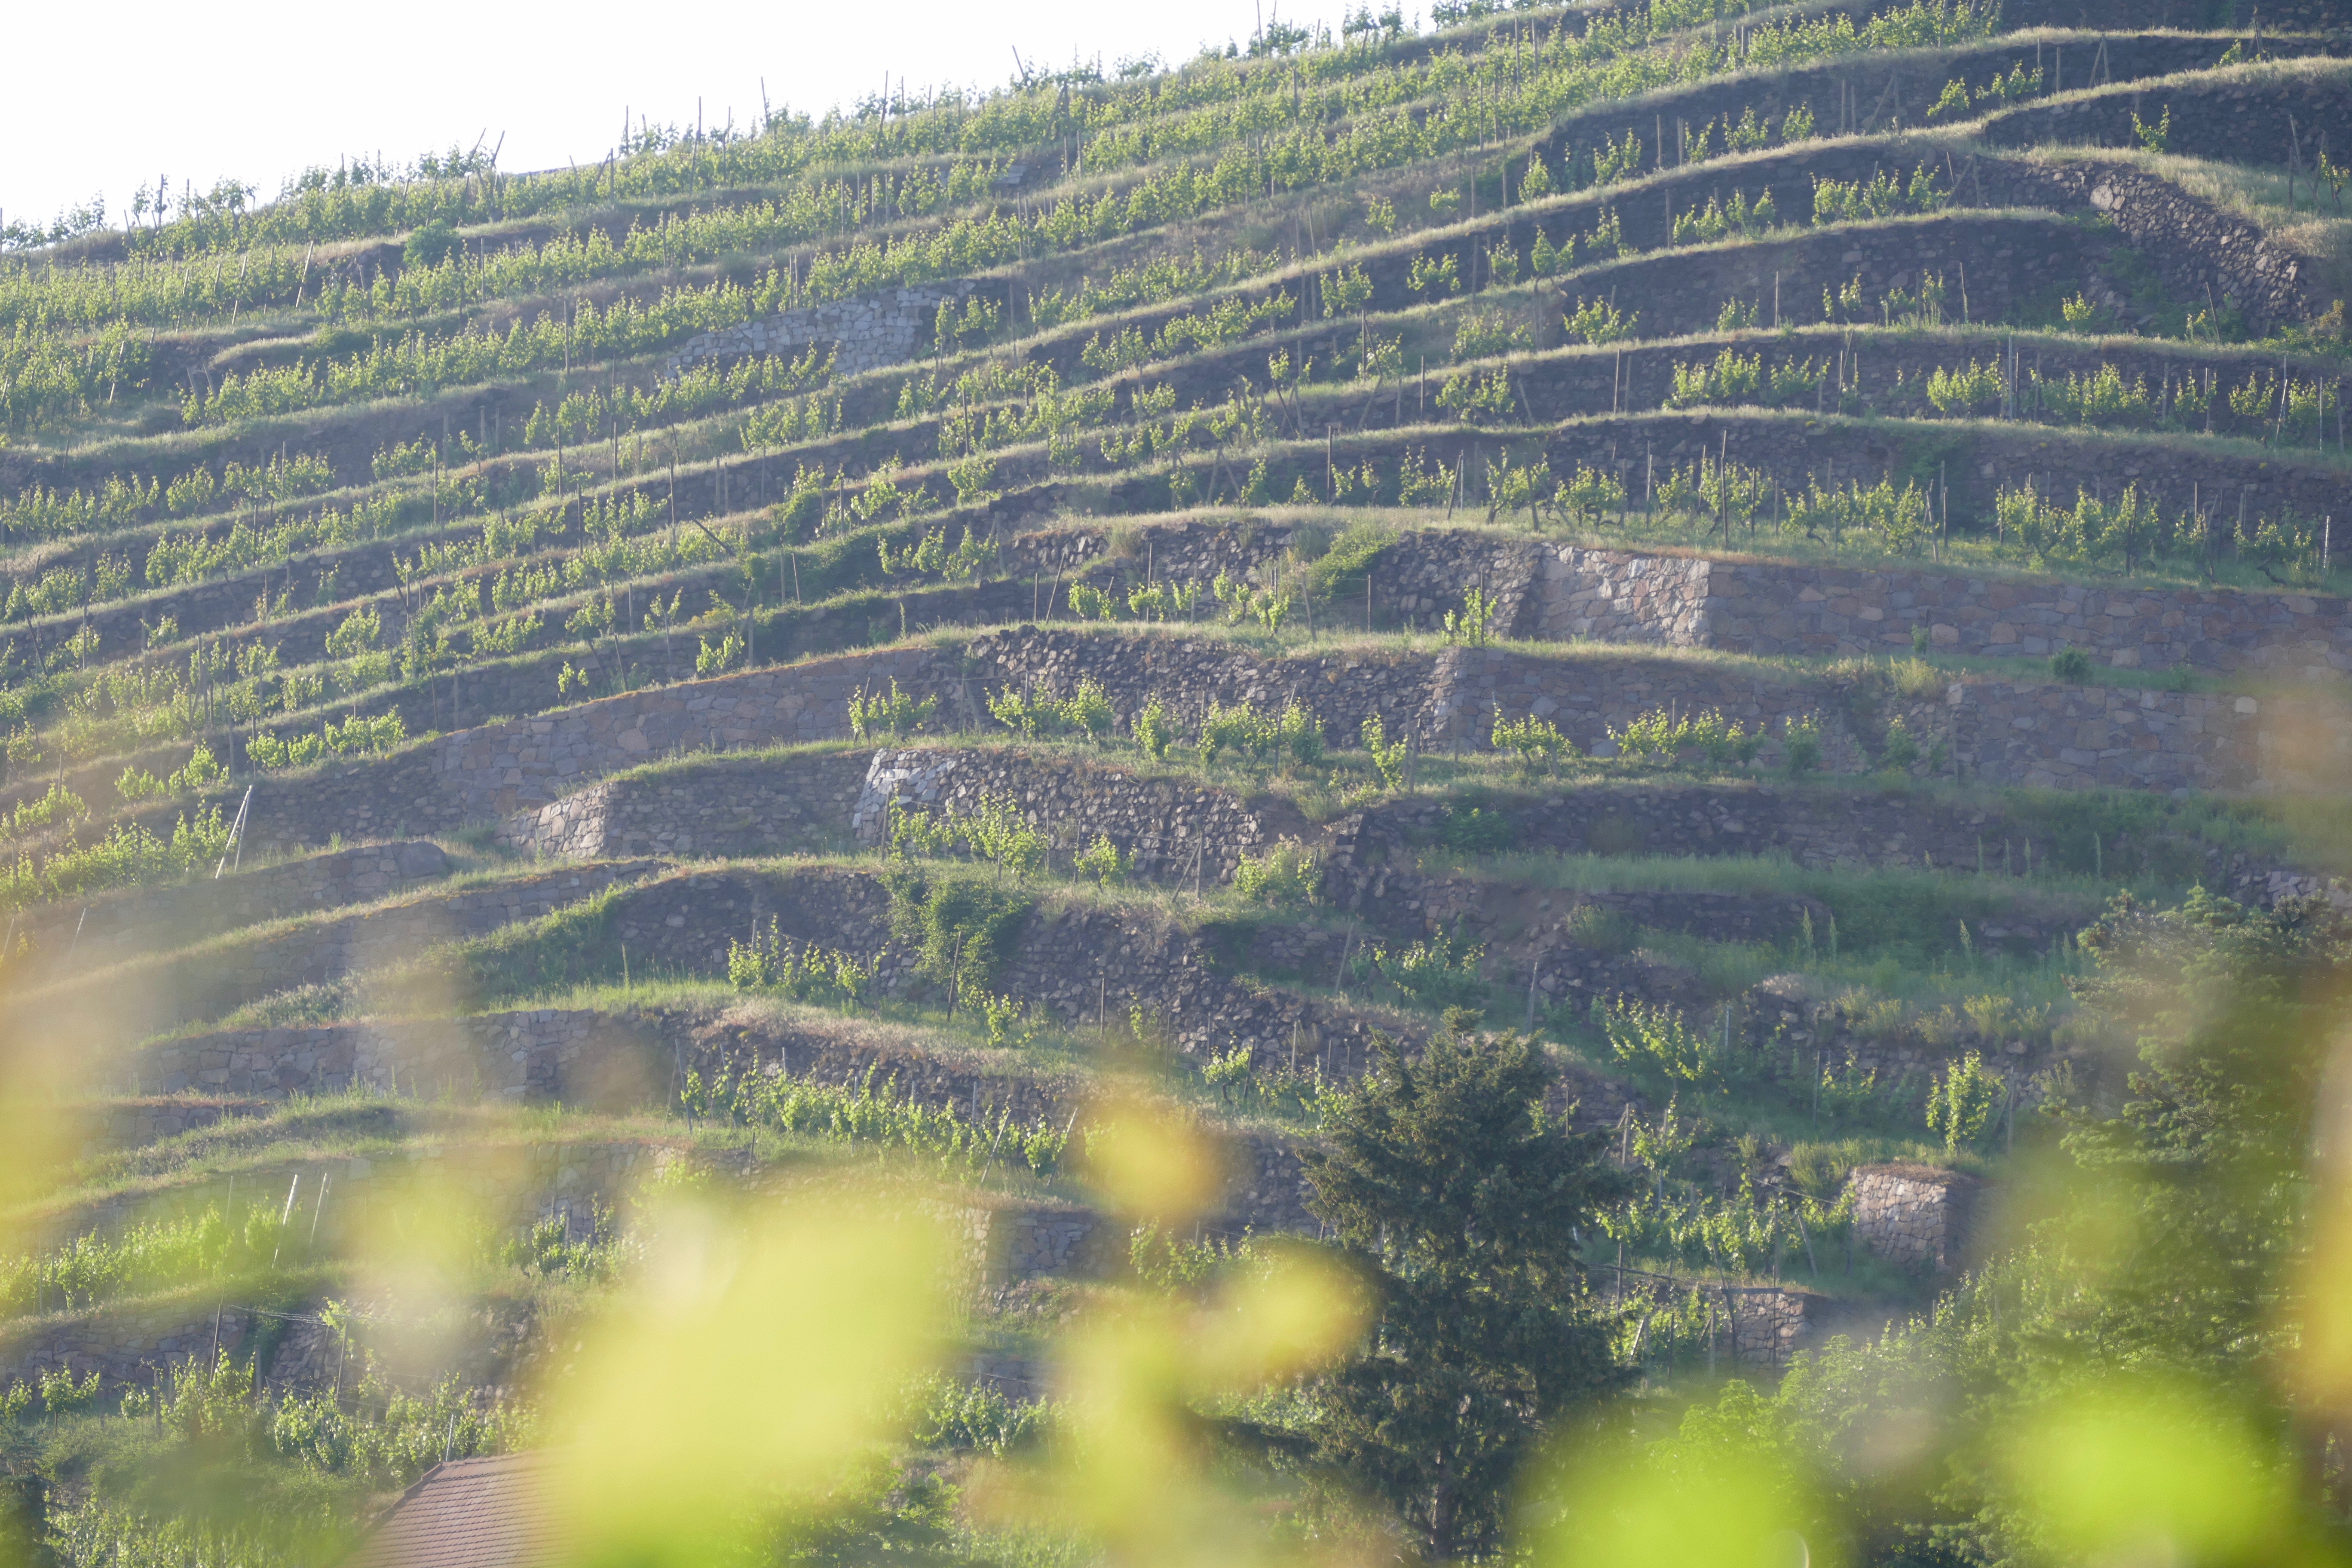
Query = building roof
x=474 y=1513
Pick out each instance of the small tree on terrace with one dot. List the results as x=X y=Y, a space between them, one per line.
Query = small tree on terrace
x=1446 y=1180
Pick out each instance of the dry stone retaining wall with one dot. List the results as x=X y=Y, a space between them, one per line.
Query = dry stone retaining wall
x=511 y=1187
x=2065 y=736
x=115 y=926
x=219 y=604
x=888 y=327
x=1173 y=829
x=1008 y=1244
x=2014 y=266
x=2071 y=737
x=1768 y=1324
x=798 y=1044
x=1819 y=826
x=1774 y=919
x=507 y=1187
x=1892 y=378
x=135 y=1121
x=1914 y=1215
x=2247 y=116
x=1077 y=960
x=1446 y=699
x=727 y=806
x=1797 y=1030
x=1559 y=592
x=1265 y=1187
x=141 y=998
x=2261 y=28
x=1774 y=608
x=1978 y=461
x=126 y=1346
x=1905 y=83
x=2015 y=261
x=2189 y=242
x=2276 y=885
x=495 y=771
x=1160 y=820
x=541 y=1054
x=1418 y=575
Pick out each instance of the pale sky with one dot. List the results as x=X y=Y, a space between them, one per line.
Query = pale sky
x=106 y=95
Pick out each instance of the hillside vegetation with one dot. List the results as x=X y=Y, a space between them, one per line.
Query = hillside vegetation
x=1569 y=787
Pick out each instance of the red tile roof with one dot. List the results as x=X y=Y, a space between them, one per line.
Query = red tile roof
x=474 y=1513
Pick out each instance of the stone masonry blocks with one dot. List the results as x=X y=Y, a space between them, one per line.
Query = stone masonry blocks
x=1916 y=1216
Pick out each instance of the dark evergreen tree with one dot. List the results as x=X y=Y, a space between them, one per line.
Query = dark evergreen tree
x=1446 y=1180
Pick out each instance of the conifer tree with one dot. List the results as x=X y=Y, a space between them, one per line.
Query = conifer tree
x=1445 y=1178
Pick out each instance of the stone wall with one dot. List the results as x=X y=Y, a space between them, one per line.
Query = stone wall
x=1774 y=608
x=2276 y=885
x=2189 y=242
x=2237 y=116
x=1768 y=1324
x=2068 y=737
x=629 y=1061
x=1445 y=700
x=1975 y=461
x=1418 y=575
x=115 y=926
x=1916 y=1216
x=888 y=327
x=2014 y=262
x=1079 y=960
x=506 y=1187
x=1889 y=377
x=133 y=1121
x=581 y=1057
x=2012 y=259
x=473 y=775
x=1745 y=1325
x=1173 y=829
x=1905 y=84
x=2317 y=15
x=1819 y=825
x=493 y=771
x=362 y=574
x=1798 y=1028
x=804 y=1044
x=721 y=807
x=127 y=1346
x=1567 y=592
x=1617 y=596
x=1488 y=910
x=1266 y=1182
x=1010 y=1243
x=222 y=603
x=143 y=996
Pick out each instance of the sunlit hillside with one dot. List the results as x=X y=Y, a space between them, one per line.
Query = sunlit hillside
x=1568 y=787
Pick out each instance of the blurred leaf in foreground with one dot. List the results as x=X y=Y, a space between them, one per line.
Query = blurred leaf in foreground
x=750 y=1369
x=1141 y=1471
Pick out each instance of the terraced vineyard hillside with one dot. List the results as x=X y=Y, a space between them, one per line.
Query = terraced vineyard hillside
x=1714 y=540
